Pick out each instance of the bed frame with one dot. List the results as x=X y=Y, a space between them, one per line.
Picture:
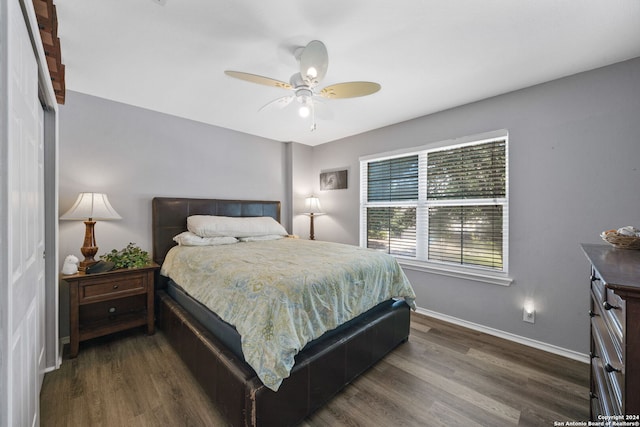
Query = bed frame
x=320 y=370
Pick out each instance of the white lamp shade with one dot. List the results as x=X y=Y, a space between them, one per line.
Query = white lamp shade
x=92 y=206
x=312 y=205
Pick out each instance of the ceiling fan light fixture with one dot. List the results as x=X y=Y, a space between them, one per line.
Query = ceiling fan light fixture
x=312 y=73
x=305 y=104
x=304 y=111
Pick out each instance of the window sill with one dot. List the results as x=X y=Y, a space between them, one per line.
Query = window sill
x=501 y=279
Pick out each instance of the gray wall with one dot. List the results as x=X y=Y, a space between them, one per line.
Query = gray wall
x=133 y=154
x=574 y=154
x=301 y=165
x=574 y=171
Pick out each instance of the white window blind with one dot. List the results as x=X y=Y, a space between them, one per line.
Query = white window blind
x=446 y=205
x=393 y=179
x=392 y=229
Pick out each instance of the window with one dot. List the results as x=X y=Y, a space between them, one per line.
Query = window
x=444 y=205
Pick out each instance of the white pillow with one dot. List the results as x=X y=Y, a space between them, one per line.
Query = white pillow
x=189 y=239
x=261 y=238
x=216 y=226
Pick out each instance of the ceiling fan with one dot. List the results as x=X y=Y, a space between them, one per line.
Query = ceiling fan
x=314 y=61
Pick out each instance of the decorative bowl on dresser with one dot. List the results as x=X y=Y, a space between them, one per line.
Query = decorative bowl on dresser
x=104 y=303
x=615 y=331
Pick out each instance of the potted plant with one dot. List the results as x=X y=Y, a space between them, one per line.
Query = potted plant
x=129 y=257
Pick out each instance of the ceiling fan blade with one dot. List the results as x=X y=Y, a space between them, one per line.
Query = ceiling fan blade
x=349 y=90
x=278 y=103
x=254 y=78
x=314 y=62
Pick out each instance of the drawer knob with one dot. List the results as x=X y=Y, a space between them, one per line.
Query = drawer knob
x=610 y=368
x=115 y=286
x=608 y=306
x=592 y=313
x=112 y=309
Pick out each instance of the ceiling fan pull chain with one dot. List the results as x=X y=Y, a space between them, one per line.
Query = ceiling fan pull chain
x=313 y=117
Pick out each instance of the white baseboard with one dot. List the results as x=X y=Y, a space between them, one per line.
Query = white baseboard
x=550 y=348
x=63 y=341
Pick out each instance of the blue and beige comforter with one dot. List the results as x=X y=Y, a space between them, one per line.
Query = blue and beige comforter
x=281 y=294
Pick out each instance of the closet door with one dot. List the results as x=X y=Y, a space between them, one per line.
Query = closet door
x=22 y=195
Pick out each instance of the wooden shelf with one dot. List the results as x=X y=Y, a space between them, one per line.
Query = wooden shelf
x=108 y=326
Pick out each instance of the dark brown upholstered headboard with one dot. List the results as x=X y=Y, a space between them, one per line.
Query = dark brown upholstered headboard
x=170 y=216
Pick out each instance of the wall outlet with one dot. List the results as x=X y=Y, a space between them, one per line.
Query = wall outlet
x=529 y=316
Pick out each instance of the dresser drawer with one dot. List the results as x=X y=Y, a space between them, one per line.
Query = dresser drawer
x=615 y=309
x=98 y=289
x=597 y=288
x=601 y=399
x=606 y=363
x=611 y=307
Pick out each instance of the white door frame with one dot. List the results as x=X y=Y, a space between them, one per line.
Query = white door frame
x=53 y=357
x=47 y=98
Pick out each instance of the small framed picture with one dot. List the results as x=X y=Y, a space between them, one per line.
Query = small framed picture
x=333 y=180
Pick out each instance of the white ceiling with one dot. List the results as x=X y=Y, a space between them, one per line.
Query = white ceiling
x=428 y=55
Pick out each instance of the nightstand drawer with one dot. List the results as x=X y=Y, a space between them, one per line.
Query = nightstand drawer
x=94 y=318
x=108 y=289
x=110 y=309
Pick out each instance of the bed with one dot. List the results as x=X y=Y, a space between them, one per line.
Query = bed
x=209 y=346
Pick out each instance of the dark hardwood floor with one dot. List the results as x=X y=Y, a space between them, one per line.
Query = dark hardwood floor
x=445 y=375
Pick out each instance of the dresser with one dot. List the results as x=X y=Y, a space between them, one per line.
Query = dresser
x=615 y=331
x=104 y=303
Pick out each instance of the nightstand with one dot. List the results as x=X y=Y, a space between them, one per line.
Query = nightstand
x=104 y=303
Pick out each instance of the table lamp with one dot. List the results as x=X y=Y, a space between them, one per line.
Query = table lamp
x=311 y=208
x=90 y=207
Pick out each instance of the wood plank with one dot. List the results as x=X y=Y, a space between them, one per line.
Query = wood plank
x=48 y=25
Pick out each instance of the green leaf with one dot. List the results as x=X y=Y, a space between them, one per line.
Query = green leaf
x=129 y=257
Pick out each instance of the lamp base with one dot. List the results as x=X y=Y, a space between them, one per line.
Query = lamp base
x=311 y=235
x=87 y=262
x=89 y=248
